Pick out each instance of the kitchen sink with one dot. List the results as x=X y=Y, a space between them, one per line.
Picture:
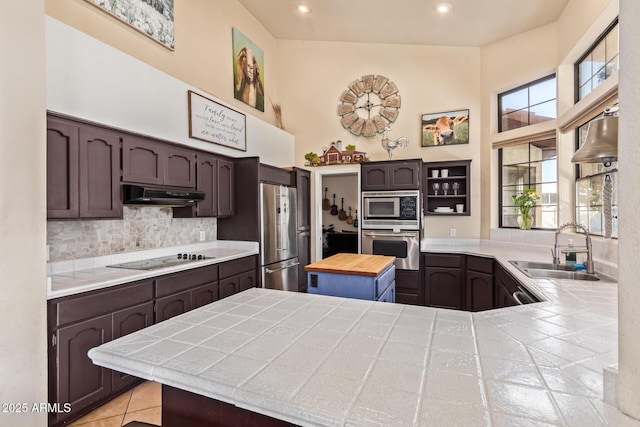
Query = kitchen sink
x=541 y=265
x=550 y=271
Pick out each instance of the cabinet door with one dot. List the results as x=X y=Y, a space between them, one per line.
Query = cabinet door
x=142 y=161
x=479 y=287
x=99 y=174
x=225 y=188
x=408 y=287
x=172 y=305
x=123 y=323
x=229 y=286
x=443 y=287
x=62 y=169
x=180 y=168
x=404 y=176
x=207 y=182
x=304 y=258
x=303 y=187
x=247 y=280
x=204 y=295
x=79 y=381
x=375 y=176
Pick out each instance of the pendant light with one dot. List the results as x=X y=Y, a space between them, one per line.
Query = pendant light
x=601 y=143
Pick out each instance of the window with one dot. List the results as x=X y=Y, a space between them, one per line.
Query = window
x=526 y=105
x=598 y=63
x=590 y=184
x=529 y=166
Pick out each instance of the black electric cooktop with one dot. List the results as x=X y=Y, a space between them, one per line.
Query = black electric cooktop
x=162 y=262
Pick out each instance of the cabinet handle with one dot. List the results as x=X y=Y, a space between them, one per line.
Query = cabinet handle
x=54 y=340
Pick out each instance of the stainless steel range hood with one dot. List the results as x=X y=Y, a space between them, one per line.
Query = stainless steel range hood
x=155 y=196
x=601 y=143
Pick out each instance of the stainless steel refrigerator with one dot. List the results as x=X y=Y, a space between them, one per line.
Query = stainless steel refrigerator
x=278 y=244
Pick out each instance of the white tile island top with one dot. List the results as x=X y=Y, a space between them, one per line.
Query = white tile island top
x=317 y=360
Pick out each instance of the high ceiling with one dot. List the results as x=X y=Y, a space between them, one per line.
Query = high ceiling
x=470 y=23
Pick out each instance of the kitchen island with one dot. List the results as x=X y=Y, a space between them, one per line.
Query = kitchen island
x=318 y=360
x=369 y=277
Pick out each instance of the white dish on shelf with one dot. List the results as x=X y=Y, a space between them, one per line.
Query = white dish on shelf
x=443 y=209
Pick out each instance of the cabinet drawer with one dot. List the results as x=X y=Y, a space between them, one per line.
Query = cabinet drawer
x=442 y=260
x=232 y=268
x=480 y=264
x=88 y=306
x=170 y=284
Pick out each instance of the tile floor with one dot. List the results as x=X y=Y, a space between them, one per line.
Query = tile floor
x=143 y=403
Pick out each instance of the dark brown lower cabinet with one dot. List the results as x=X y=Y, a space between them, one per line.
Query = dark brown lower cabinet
x=467 y=282
x=80 y=322
x=229 y=286
x=204 y=295
x=80 y=382
x=479 y=285
x=172 y=305
x=408 y=285
x=124 y=322
x=505 y=286
x=443 y=282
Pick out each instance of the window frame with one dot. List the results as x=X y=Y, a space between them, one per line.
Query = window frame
x=501 y=187
x=525 y=86
x=589 y=51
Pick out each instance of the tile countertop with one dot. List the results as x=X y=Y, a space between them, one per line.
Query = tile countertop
x=73 y=277
x=318 y=360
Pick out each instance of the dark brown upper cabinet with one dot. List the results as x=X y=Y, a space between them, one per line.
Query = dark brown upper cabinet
x=303 y=190
x=156 y=163
x=215 y=179
x=391 y=175
x=226 y=182
x=83 y=171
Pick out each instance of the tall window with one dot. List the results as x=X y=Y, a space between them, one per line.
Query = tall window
x=526 y=105
x=598 y=63
x=529 y=166
x=590 y=183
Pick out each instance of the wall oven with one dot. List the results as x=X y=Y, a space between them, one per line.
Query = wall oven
x=404 y=245
x=391 y=210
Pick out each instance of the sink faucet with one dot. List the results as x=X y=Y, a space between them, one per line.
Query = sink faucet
x=556 y=249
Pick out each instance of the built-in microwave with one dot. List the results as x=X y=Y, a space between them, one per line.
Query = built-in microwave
x=391 y=210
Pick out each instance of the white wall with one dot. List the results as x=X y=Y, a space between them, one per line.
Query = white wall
x=23 y=353
x=89 y=79
x=507 y=64
x=430 y=79
x=629 y=200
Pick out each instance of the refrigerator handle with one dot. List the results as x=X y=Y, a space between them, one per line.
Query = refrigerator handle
x=269 y=271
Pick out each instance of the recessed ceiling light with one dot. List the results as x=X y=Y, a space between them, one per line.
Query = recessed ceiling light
x=444 y=7
x=304 y=8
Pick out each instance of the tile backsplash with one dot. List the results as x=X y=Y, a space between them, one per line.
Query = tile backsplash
x=141 y=228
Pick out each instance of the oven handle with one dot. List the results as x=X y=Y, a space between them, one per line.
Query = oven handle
x=402 y=234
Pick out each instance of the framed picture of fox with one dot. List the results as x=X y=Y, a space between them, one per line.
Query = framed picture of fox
x=449 y=128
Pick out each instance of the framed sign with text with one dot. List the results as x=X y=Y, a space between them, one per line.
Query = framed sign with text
x=213 y=122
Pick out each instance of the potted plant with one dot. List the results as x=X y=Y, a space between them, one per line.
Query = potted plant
x=525 y=202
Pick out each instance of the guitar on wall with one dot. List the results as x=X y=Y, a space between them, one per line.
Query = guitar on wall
x=349 y=217
x=342 y=215
x=334 y=207
x=326 y=204
x=355 y=220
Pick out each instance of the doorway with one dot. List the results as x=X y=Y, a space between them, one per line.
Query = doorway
x=344 y=182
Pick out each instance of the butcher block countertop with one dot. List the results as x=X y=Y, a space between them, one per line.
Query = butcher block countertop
x=353 y=264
